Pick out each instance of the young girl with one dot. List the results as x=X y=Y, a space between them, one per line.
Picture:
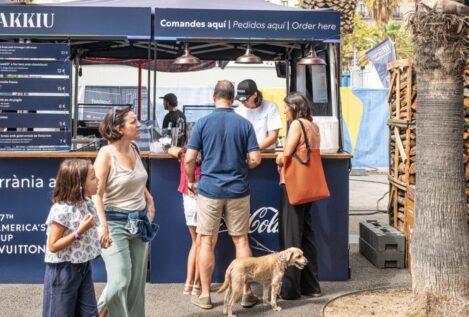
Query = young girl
x=72 y=242
x=192 y=284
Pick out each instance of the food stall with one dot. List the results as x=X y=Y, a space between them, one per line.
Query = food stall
x=214 y=31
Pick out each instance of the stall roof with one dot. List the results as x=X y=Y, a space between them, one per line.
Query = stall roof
x=183 y=4
x=219 y=29
x=209 y=26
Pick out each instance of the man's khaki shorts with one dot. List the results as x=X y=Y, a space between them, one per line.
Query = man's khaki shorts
x=235 y=212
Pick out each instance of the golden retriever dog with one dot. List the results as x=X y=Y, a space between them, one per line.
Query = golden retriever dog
x=267 y=270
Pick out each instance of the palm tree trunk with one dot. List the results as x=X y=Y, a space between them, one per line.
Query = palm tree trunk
x=440 y=253
x=440 y=237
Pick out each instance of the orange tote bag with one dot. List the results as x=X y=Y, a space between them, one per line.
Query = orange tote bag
x=304 y=176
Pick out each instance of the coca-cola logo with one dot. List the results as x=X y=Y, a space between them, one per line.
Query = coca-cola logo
x=263 y=220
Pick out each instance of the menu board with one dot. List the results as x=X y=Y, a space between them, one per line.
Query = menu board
x=35 y=97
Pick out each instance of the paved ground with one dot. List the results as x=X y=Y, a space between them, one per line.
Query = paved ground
x=167 y=299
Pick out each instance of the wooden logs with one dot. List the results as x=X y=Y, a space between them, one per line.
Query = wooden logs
x=402 y=137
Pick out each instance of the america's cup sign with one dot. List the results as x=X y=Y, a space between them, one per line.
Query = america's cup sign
x=34 y=20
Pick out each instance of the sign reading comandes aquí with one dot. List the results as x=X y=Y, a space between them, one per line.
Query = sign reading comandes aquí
x=306 y=25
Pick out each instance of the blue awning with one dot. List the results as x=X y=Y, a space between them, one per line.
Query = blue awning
x=216 y=29
x=34 y=21
x=208 y=24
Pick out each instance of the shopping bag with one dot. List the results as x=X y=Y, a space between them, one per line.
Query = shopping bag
x=304 y=175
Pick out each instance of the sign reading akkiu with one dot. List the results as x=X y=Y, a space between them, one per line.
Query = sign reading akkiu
x=173 y=24
x=75 y=22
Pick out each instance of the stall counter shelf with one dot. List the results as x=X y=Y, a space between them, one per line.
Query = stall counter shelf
x=27 y=181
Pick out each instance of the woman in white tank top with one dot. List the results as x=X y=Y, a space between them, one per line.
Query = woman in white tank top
x=122 y=189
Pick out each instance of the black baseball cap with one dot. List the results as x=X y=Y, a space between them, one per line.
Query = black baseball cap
x=245 y=89
x=171 y=98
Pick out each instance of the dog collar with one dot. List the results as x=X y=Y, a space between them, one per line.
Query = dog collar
x=282 y=260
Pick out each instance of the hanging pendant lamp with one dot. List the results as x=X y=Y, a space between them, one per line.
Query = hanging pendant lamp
x=248 y=57
x=186 y=58
x=311 y=59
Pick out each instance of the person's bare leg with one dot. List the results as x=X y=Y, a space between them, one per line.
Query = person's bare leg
x=206 y=263
x=191 y=260
x=197 y=248
x=243 y=250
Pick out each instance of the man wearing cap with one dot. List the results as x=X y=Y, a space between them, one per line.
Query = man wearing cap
x=263 y=114
x=174 y=118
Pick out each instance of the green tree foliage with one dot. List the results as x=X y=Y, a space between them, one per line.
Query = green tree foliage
x=365 y=36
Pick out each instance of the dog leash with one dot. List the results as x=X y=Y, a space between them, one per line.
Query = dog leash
x=260 y=247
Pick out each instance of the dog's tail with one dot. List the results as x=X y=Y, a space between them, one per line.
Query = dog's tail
x=227 y=281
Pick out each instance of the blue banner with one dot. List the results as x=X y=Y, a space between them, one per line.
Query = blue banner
x=380 y=56
x=28 y=183
x=173 y=24
x=75 y=22
x=34 y=50
x=329 y=219
x=10 y=69
x=60 y=102
x=35 y=120
x=29 y=85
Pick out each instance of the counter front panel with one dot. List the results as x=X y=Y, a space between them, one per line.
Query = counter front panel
x=329 y=218
x=26 y=188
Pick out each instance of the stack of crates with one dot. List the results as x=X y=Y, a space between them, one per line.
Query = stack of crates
x=381 y=244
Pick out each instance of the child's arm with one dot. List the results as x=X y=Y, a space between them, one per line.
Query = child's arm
x=57 y=241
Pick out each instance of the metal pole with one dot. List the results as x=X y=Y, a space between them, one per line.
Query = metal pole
x=139 y=91
x=334 y=56
x=155 y=57
x=75 y=96
x=148 y=79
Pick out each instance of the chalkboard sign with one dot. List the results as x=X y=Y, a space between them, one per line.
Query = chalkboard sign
x=35 y=96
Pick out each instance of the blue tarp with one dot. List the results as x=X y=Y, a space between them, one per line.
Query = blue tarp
x=371 y=149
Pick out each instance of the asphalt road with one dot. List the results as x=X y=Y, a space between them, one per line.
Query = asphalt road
x=167 y=299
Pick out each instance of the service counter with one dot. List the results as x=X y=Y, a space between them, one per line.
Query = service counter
x=26 y=184
x=330 y=219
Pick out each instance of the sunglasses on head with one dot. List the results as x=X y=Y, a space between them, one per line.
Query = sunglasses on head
x=116 y=111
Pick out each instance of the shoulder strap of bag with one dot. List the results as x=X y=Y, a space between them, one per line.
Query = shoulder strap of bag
x=308 y=148
x=135 y=146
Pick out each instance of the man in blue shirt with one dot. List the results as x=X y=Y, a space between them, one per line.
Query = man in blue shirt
x=228 y=145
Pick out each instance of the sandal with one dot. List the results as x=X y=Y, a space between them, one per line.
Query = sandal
x=196 y=290
x=187 y=289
